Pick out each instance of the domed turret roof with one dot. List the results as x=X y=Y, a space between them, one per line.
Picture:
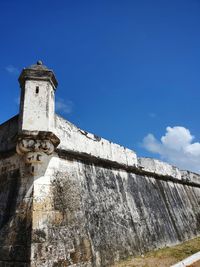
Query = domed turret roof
x=38 y=71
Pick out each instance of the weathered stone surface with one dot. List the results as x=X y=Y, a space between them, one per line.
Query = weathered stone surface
x=58 y=219
x=95 y=216
x=129 y=214
x=78 y=213
x=88 y=202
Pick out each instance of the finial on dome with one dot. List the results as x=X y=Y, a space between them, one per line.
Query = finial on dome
x=39 y=62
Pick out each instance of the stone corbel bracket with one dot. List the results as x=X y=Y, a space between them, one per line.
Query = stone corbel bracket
x=33 y=146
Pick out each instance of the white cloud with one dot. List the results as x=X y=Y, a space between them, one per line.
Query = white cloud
x=176 y=147
x=64 y=106
x=12 y=70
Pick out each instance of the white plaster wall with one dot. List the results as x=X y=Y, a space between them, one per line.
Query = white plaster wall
x=159 y=167
x=77 y=140
x=190 y=176
x=38 y=108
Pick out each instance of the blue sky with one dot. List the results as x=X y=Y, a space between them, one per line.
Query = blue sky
x=126 y=69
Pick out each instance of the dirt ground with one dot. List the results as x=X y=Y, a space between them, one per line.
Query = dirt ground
x=164 y=257
x=196 y=264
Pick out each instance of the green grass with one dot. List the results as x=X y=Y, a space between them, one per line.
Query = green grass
x=165 y=256
x=179 y=252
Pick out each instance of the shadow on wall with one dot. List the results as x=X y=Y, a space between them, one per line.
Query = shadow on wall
x=16 y=210
x=15 y=219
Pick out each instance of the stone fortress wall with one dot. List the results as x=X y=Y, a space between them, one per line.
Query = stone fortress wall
x=86 y=201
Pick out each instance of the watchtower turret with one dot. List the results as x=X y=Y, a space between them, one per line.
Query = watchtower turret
x=37 y=112
x=37 y=106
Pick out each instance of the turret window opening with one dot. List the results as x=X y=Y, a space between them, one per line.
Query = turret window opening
x=37 y=90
